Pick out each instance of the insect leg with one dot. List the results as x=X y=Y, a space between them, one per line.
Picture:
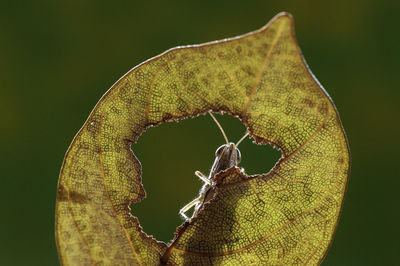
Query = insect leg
x=188 y=206
x=203 y=177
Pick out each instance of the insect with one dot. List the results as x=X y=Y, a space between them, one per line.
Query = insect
x=226 y=156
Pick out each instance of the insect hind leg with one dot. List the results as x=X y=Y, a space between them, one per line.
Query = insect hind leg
x=188 y=207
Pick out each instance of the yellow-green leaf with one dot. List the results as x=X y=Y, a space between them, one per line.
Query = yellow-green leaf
x=287 y=216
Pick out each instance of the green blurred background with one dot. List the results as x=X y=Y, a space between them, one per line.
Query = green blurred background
x=57 y=58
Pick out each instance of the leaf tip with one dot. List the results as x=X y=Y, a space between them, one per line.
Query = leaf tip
x=284 y=14
x=282 y=17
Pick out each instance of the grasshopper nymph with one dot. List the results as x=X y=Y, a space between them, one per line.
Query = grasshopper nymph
x=227 y=155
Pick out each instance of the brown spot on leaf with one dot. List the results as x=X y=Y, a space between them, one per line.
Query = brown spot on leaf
x=73 y=196
x=309 y=103
x=167 y=116
x=323 y=108
x=248 y=71
x=205 y=81
x=77 y=197
x=62 y=193
x=202 y=50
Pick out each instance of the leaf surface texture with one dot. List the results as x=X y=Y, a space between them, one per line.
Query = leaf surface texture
x=287 y=216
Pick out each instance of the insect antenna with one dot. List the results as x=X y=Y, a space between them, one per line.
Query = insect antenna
x=245 y=135
x=220 y=127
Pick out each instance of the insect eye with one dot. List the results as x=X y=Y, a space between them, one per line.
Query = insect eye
x=219 y=151
x=239 y=156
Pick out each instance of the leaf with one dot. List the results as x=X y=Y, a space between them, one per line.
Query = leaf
x=287 y=216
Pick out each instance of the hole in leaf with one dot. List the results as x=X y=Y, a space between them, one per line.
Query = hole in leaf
x=172 y=152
